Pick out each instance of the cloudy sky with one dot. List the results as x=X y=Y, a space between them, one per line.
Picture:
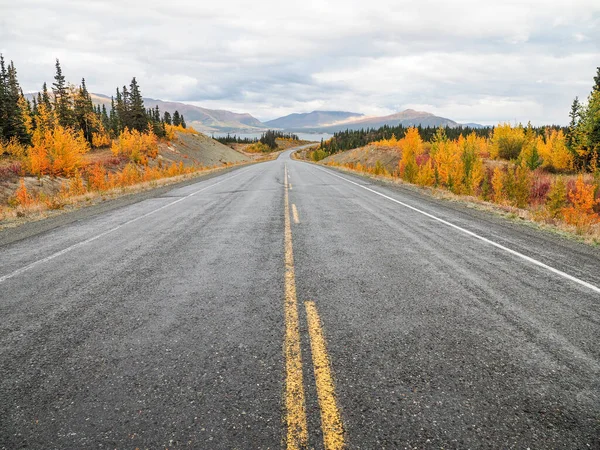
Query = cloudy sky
x=471 y=61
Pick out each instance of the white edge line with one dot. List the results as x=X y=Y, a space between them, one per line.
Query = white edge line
x=87 y=241
x=475 y=235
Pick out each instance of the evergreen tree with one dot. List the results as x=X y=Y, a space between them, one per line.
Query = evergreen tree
x=138 y=119
x=3 y=96
x=104 y=117
x=83 y=111
x=46 y=98
x=176 y=119
x=183 y=124
x=575 y=116
x=167 y=118
x=115 y=123
x=62 y=100
x=13 y=123
x=597 y=80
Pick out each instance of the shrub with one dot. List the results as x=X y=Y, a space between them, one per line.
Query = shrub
x=22 y=196
x=136 y=146
x=57 y=152
x=507 y=142
x=581 y=210
x=557 y=197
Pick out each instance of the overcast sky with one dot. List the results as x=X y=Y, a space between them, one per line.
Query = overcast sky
x=471 y=61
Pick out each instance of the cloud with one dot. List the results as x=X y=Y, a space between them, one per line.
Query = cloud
x=468 y=60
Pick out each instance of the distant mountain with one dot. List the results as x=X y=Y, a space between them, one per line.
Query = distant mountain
x=409 y=117
x=473 y=125
x=315 y=119
x=202 y=119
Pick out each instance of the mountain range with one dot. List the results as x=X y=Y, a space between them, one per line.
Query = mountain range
x=217 y=121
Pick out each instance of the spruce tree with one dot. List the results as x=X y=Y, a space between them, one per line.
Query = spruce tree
x=137 y=114
x=62 y=100
x=14 y=126
x=575 y=116
x=46 y=98
x=83 y=108
x=183 y=124
x=3 y=96
x=597 y=80
x=115 y=122
x=104 y=117
x=167 y=118
x=176 y=118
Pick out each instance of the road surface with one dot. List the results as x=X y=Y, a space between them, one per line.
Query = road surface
x=289 y=305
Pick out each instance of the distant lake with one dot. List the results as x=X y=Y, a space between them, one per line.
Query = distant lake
x=302 y=136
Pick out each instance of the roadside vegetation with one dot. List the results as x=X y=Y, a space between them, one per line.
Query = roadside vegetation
x=549 y=174
x=57 y=147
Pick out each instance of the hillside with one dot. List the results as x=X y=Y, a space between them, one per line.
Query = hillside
x=315 y=119
x=200 y=149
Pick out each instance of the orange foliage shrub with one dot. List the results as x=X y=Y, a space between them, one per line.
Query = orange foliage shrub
x=171 y=129
x=136 y=146
x=97 y=178
x=100 y=139
x=13 y=148
x=23 y=197
x=581 y=211
x=56 y=152
x=76 y=185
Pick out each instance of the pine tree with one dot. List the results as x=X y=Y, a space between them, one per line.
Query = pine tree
x=167 y=118
x=46 y=98
x=138 y=119
x=115 y=122
x=14 y=123
x=176 y=119
x=83 y=110
x=183 y=124
x=3 y=96
x=62 y=100
x=104 y=117
x=575 y=115
x=597 y=80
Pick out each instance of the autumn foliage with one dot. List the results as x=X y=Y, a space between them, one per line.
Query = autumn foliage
x=136 y=146
x=514 y=167
x=56 y=152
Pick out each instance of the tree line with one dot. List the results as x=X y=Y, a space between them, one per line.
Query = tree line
x=267 y=138
x=72 y=107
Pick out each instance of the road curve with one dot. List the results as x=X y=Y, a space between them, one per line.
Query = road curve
x=419 y=323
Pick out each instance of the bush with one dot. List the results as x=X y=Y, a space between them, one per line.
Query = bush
x=507 y=142
x=57 y=152
x=136 y=146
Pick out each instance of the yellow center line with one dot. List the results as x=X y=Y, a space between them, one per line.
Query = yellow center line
x=297 y=432
x=331 y=421
x=295 y=213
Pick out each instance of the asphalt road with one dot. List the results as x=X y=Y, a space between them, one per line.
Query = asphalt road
x=169 y=323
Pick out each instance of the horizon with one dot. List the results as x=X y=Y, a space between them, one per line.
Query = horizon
x=496 y=63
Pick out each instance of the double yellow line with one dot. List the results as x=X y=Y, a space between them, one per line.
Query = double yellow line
x=331 y=422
